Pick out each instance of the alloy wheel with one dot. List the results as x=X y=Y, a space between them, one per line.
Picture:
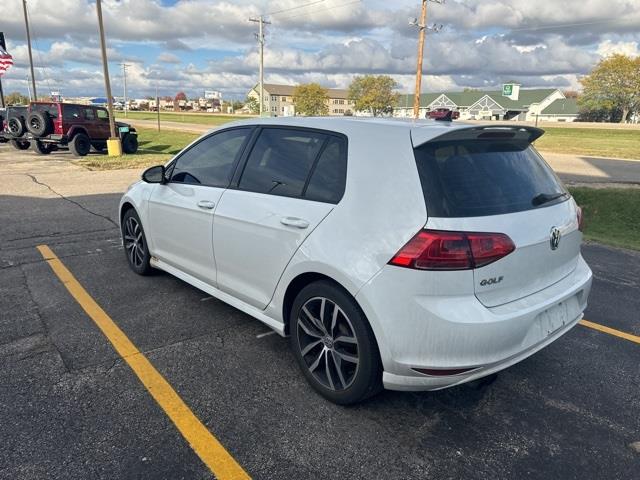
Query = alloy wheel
x=134 y=242
x=328 y=343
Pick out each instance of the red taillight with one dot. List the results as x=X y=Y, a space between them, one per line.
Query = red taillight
x=580 y=219
x=440 y=250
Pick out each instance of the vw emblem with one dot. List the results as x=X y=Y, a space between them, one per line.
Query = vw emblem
x=555 y=238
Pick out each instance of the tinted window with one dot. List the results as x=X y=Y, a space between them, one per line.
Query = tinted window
x=329 y=176
x=210 y=161
x=477 y=178
x=89 y=114
x=70 y=113
x=281 y=161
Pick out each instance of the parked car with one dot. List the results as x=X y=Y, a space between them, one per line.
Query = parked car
x=443 y=114
x=404 y=255
x=14 y=126
x=78 y=127
x=47 y=126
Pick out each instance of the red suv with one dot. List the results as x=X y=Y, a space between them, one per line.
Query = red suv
x=79 y=127
x=443 y=114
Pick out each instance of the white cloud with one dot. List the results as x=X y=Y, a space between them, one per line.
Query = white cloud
x=483 y=43
x=608 y=47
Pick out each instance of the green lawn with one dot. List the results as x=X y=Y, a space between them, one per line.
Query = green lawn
x=155 y=148
x=200 y=119
x=611 y=215
x=591 y=141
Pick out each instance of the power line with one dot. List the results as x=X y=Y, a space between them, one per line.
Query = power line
x=293 y=8
x=321 y=10
x=564 y=25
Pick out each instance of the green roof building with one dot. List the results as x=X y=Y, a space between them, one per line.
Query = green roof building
x=511 y=103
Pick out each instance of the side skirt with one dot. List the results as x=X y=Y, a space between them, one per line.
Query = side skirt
x=278 y=327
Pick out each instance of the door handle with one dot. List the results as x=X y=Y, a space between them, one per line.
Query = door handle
x=206 y=204
x=294 y=222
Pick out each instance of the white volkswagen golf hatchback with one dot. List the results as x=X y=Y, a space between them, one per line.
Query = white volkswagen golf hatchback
x=395 y=254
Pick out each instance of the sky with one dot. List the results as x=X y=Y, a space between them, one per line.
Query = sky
x=197 y=45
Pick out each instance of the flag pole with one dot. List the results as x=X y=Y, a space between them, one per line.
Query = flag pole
x=3 y=45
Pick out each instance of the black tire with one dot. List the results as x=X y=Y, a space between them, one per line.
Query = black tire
x=39 y=124
x=15 y=126
x=129 y=143
x=42 y=148
x=135 y=243
x=99 y=147
x=80 y=145
x=20 y=144
x=343 y=381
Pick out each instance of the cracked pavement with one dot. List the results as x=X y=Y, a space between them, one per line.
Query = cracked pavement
x=70 y=408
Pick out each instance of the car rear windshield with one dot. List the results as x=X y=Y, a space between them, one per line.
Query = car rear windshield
x=472 y=178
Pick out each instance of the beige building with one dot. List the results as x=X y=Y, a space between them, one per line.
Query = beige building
x=278 y=100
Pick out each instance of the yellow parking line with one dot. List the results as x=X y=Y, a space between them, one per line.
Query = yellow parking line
x=206 y=446
x=611 y=331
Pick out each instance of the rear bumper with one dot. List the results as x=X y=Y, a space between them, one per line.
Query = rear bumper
x=445 y=332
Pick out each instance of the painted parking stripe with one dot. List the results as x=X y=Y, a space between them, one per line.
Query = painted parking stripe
x=611 y=331
x=206 y=446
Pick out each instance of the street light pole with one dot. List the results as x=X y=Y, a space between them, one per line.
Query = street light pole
x=114 y=146
x=124 y=76
x=33 y=77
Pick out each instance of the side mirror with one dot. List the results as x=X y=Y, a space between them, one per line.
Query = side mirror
x=154 y=175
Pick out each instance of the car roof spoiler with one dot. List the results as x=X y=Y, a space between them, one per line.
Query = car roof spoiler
x=518 y=133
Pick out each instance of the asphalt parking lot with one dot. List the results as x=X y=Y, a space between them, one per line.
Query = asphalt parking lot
x=72 y=408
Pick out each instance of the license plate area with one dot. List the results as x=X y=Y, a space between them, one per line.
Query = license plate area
x=554 y=318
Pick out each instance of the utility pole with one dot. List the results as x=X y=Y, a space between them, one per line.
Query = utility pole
x=33 y=77
x=114 y=146
x=422 y=26
x=260 y=36
x=158 y=107
x=124 y=76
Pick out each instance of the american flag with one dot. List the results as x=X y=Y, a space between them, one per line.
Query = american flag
x=6 y=61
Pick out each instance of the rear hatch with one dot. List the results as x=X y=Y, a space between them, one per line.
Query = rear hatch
x=490 y=179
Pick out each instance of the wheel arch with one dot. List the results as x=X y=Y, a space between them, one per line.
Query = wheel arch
x=124 y=208
x=73 y=131
x=301 y=281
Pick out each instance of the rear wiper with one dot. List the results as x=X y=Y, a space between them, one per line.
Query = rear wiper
x=546 y=198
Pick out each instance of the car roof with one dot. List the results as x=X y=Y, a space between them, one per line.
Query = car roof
x=420 y=130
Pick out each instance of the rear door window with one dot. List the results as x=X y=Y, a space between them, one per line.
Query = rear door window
x=481 y=177
x=281 y=161
x=71 y=113
x=89 y=114
x=328 y=178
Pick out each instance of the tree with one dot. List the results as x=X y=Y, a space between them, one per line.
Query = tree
x=253 y=104
x=311 y=99
x=16 y=98
x=374 y=94
x=180 y=97
x=614 y=86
